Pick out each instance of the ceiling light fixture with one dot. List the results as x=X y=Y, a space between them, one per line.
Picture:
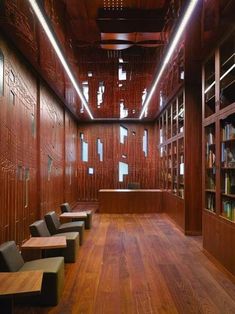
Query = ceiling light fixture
x=170 y=50
x=59 y=53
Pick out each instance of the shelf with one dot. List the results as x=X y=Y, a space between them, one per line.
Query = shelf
x=228 y=141
x=210 y=211
x=227 y=219
x=228 y=195
x=210 y=190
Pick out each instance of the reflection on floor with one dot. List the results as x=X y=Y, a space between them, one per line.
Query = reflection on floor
x=142 y=264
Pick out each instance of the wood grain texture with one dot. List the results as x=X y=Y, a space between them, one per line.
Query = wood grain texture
x=21 y=283
x=71 y=157
x=33 y=128
x=174 y=207
x=141 y=264
x=218 y=239
x=51 y=151
x=18 y=155
x=44 y=243
x=130 y=201
x=141 y=169
x=193 y=123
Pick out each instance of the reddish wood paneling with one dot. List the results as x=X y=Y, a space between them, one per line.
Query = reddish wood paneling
x=193 y=133
x=71 y=156
x=32 y=127
x=51 y=152
x=219 y=239
x=18 y=156
x=174 y=207
x=141 y=169
x=130 y=201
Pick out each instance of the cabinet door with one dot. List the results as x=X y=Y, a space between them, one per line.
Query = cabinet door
x=227 y=166
x=210 y=167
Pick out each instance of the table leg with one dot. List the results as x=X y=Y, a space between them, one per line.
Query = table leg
x=6 y=305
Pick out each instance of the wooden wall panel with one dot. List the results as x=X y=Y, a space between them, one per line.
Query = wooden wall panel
x=141 y=169
x=33 y=126
x=174 y=207
x=219 y=239
x=18 y=156
x=71 y=156
x=51 y=152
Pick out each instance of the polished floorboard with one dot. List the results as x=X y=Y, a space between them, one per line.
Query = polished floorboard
x=142 y=264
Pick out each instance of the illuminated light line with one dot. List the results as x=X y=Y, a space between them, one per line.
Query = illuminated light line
x=222 y=77
x=170 y=51
x=209 y=87
x=59 y=53
x=227 y=72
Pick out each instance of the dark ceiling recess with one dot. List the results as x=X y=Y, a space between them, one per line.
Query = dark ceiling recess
x=130 y=20
x=121 y=29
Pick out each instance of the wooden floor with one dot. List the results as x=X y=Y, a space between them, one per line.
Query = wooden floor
x=142 y=264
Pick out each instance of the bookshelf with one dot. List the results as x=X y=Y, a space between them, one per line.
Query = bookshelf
x=209 y=89
x=218 y=123
x=181 y=167
x=172 y=153
x=210 y=167
x=180 y=163
x=227 y=165
x=227 y=72
x=219 y=130
x=180 y=115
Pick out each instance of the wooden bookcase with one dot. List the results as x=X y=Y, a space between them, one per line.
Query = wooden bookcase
x=171 y=130
x=180 y=132
x=218 y=129
x=180 y=159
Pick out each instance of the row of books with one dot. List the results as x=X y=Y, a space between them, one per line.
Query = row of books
x=181 y=193
x=228 y=155
x=211 y=182
x=228 y=132
x=210 y=139
x=228 y=209
x=229 y=183
x=210 y=158
x=211 y=202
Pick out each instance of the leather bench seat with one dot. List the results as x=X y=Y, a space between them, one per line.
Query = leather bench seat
x=53 y=273
x=39 y=229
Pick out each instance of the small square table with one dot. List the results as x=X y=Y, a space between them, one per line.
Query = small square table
x=18 y=284
x=34 y=247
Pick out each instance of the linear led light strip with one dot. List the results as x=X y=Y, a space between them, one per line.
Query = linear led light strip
x=170 y=51
x=223 y=76
x=59 y=53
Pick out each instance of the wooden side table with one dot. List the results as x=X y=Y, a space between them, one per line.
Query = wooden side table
x=34 y=247
x=18 y=284
x=85 y=216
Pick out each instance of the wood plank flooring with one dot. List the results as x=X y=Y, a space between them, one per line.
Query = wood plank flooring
x=141 y=264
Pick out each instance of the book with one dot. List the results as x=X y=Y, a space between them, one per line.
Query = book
x=228 y=209
x=227 y=183
x=210 y=138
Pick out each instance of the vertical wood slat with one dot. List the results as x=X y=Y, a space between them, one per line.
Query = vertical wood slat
x=17 y=149
x=140 y=168
x=28 y=134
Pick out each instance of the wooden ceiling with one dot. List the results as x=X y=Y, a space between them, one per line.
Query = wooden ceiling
x=101 y=40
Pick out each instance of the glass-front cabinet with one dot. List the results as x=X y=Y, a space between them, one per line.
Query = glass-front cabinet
x=210 y=167
x=227 y=167
x=219 y=131
x=171 y=146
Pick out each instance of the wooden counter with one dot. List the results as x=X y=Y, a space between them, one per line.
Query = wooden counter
x=130 y=201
